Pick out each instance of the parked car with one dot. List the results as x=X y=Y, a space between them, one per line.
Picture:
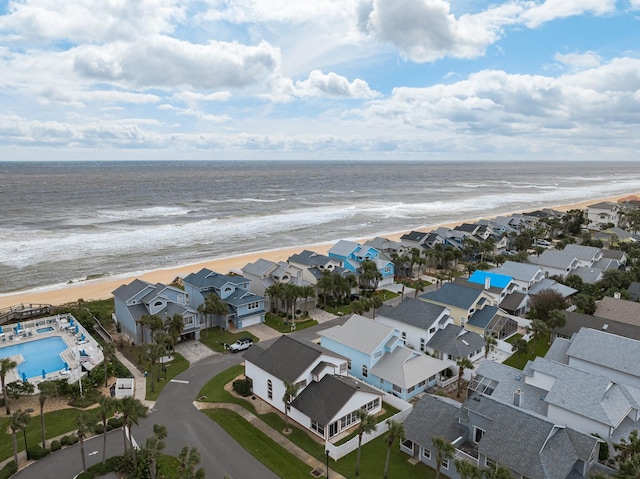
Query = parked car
x=241 y=345
x=544 y=243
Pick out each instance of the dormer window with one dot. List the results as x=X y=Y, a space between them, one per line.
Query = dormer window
x=228 y=289
x=158 y=303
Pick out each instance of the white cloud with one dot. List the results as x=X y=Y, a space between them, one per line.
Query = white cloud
x=578 y=60
x=331 y=84
x=90 y=21
x=554 y=9
x=425 y=30
x=166 y=62
x=287 y=11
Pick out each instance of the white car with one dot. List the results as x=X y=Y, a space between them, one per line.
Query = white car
x=241 y=345
x=544 y=243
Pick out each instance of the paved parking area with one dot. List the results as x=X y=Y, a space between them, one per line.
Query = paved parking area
x=263 y=332
x=194 y=351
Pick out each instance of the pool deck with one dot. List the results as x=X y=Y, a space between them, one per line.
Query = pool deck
x=65 y=327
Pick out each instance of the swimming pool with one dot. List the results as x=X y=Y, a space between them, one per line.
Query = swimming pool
x=38 y=355
x=46 y=329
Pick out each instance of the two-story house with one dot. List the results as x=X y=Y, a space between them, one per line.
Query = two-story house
x=603 y=213
x=351 y=256
x=245 y=307
x=137 y=299
x=327 y=398
x=378 y=357
x=313 y=265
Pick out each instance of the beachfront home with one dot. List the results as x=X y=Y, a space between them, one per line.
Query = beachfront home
x=555 y=263
x=313 y=265
x=416 y=320
x=351 y=256
x=245 y=307
x=380 y=359
x=327 y=399
x=137 y=299
x=486 y=432
x=603 y=213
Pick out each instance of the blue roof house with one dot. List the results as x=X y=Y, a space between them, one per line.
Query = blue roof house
x=351 y=256
x=245 y=307
x=380 y=359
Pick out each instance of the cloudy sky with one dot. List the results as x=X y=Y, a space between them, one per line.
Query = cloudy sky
x=337 y=79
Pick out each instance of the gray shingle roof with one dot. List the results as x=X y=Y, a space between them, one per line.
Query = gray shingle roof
x=553 y=259
x=205 y=278
x=519 y=271
x=405 y=368
x=588 y=275
x=413 y=312
x=433 y=416
x=309 y=258
x=575 y=321
x=321 y=401
x=454 y=295
x=586 y=253
x=513 y=301
x=547 y=283
x=287 y=358
x=456 y=340
x=611 y=351
x=259 y=268
x=618 y=310
x=414 y=236
x=343 y=248
x=482 y=317
x=360 y=333
x=128 y=291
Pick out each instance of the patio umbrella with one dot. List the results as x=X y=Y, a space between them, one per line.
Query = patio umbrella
x=71 y=322
x=0 y=329
x=82 y=337
x=44 y=374
x=77 y=329
x=66 y=366
x=24 y=378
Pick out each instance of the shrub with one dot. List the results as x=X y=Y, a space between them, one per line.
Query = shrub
x=8 y=470
x=115 y=423
x=37 y=452
x=242 y=387
x=98 y=429
x=64 y=440
x=71 y=439
x=98 y=470
x=56 y=446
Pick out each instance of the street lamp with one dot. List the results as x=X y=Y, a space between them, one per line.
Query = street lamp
x=24 y=432
x=327 y=454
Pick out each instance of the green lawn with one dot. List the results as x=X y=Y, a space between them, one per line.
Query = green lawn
x=261 y=446
x=56 y=423
x=215 y=338
x=372 y=462
x=513 y=338
x=276 y=322
x=173 y=368
x=540 y=348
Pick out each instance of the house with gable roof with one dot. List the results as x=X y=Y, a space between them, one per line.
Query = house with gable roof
x=387 y=246
x=139 y=298
x=555 y=263
x=245 y=307
x=313 y=265
x=416 y=320
x=327 y=400
x=454 y=342
x=351 y=255
x=486 y=432
x=603 y=213
x=523 y=275
x=380 y=358
x=587 y=256
x=618 y=309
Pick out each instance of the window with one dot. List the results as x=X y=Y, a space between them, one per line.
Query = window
x=269 y=389
x=477 y=435
x=445 y=463
x=397 y=388
x=489 y=462
x=371 y=405
x=158 y=303
x=432 y=330
x=387 y=269
x=317 y=428
x=422 y=384
x=404 y=337
x=426 y=453
x=432 y=378
x=411 y=389
x=423 y=344
x=347 y=420
x=349 y=364
x=254 y=305
x=377 y=354
x=301 y=384
x=343 y=367
x=365 y=371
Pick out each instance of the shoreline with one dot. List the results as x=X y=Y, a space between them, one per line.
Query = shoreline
x=101 y=288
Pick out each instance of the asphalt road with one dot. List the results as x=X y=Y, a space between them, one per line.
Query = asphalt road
x=221 y=455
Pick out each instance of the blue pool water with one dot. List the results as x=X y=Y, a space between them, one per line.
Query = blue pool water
x=38 y=355
x=46 y=329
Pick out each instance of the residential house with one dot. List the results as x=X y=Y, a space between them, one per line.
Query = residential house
x=327 y=399
x=314 y=264
x=555 y=263
x=351 y=256
x=416 y=320
x=454 y=342
x=380 y=359
x=563 y=290
x=634 y=290
x=575 y=321
x=617 y=309
x=603 y=213
x=137 y=299
x=245 y=307
x=587 y=256
x=523 y=275
x=486 y=432
x=387 y=246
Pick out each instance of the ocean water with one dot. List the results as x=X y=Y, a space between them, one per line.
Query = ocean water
x=69 y=221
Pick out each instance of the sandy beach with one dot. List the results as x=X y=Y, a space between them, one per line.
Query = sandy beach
x=102 y=288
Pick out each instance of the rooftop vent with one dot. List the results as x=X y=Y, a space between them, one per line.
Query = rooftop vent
x=605 y=327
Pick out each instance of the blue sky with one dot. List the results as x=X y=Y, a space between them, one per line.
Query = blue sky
x=319 y=79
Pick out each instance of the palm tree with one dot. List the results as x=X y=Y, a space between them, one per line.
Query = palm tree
x=174 y=327
x=376 y=304
x=520 y=346
x=6 y=365
x=498 y=472
x=154 y=351
x=47 y=389
x=108 y=350
x=105 y=404
x=444 y=452
x=132 y=411
x=84 y=421
x=307 y=292
x=367 y=425
x=612 y=278
x=466 y=470
x=189 y=458
x=463 y=363
x=490 y=344
x=628 y=448
x=396 y=431
x=19 y=421
x=557 y=319
x=370 y=276
x=290 y=392
x=155 y=444
x=325 y=284
x=213 y=305
x=538 y=328
x=274 y=292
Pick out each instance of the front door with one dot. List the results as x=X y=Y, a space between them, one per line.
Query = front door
x=333 y=429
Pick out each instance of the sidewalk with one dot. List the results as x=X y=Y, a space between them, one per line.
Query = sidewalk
x=140 y=389
x=277 y=436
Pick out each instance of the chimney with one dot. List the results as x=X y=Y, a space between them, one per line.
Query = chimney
x=517 y=398
x=487 y=282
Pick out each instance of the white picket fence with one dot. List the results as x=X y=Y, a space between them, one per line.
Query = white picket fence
x=337 y=452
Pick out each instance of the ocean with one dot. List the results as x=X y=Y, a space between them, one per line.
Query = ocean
x=71 y=221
